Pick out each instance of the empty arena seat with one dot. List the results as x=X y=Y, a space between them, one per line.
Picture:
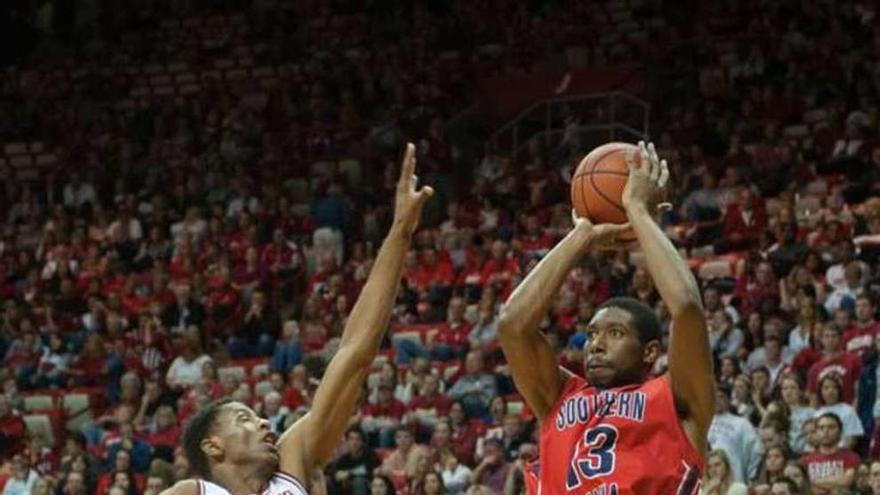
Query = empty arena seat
x=15 y=148
x=515 y=407
x=40 y=424
x=77 y=410
x=41 y=402
x=236 y=371
x=351 y=169
x=714 y=269
x=260 y=370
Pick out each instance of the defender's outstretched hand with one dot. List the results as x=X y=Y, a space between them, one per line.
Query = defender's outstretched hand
x=409 y=200
x=311 y=442
x=646 y=186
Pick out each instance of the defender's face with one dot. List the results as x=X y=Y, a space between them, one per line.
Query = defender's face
x=242 y=437
x=613 y=354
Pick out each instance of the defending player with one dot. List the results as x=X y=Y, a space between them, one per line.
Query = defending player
x=232 y=451
x=619 y=431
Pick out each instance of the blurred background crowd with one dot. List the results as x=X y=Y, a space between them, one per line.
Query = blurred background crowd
x=194 y=192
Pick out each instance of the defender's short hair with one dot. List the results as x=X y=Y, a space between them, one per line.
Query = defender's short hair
x=200 y=425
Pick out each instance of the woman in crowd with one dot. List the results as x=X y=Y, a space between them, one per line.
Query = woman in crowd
x=831 y=400
x=791 y=392
x=719 y=478
x=773 y=464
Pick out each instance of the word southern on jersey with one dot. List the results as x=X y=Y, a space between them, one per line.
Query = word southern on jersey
x=620 y=441
x=280 y=484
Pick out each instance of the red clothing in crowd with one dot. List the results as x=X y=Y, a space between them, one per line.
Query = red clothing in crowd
x=464 y=440
x=293 y=398
x=394 y=409
x=453 y=334
x=500 y=273
x=860 y=340
x=424 y=276
x=284 y=256
x=823 y=466
x=753 y=294
x=805 y=360
x=440 y=403
x=170 y=437
x=847 y=366
x=747 y=225
x=12 y=431
x=536 y=245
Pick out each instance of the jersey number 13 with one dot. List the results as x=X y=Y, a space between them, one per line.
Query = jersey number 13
x=594 y=457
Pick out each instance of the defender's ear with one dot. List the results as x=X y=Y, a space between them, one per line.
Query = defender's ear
x=652 y=352
x=212 y=447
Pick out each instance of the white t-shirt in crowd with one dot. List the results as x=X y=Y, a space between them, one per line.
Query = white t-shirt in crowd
x=186 y=373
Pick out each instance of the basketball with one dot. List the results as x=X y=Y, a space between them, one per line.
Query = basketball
x=598 y=182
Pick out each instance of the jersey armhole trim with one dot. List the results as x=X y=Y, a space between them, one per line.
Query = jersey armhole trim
x=569 y=377
x=678 y=426
x=293 y=479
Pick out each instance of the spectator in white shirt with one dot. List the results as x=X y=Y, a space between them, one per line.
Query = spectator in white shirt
x=844 y=254
x=831 y=400
x=23 y=477
x=851 y=289
x=772 y=355
x=724 y=338
x=78 y=193
x=186 y=370
x=456 y=476
x=736 y=436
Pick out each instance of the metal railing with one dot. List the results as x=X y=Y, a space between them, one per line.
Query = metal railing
x=584 y=121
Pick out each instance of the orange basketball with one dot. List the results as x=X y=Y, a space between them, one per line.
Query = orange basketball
x=597 y=184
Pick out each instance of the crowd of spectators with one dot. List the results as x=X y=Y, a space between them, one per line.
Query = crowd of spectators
x=183 y=249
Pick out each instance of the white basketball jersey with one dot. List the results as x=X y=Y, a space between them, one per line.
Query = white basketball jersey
x=280 y=484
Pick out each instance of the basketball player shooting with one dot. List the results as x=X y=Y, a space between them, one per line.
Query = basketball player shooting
x=232 y=451
x=620 y=431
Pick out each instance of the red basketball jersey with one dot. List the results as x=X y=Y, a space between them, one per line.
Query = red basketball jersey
x=621 y=441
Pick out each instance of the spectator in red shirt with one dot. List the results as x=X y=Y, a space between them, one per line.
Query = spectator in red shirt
x=94 y=364
x=12 y=429
x=449 y=340
x=435 y=272
x=164 y=429
x=501 y=269
x=831 y=468
x=535 y=241
x=758 y=289
x=223 y=304
x=285 y=264
x=431 y=404
x=313 y=330
x=848 y=366
x=249 y=275
x=298 y=393
x=383 y=417
x=859 y=338
x=744 y=221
